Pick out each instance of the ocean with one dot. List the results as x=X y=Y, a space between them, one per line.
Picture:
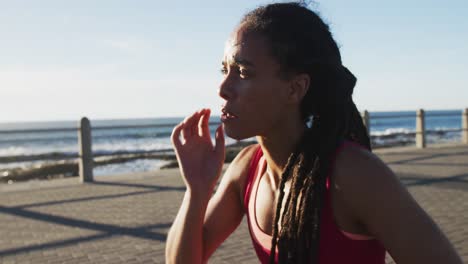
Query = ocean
x=18 y=142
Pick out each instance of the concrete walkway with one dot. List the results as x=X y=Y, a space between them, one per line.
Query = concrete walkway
x=125 y=219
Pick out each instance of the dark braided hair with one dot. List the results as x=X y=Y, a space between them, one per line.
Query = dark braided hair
x=302 y=43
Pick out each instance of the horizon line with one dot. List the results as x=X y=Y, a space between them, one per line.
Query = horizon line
x=182 y=116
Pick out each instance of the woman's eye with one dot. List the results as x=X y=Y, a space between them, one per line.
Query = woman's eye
x=244 y=73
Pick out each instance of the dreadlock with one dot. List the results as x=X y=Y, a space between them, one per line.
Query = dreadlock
x=302 y=43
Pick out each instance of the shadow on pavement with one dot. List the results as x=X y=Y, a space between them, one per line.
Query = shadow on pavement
x=457 y=181
x=105 y=230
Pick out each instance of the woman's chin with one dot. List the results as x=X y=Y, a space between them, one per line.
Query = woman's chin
x=234 y=134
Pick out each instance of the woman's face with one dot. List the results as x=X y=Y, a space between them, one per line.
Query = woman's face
x=254 y=94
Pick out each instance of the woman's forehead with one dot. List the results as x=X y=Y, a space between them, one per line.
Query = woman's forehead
x=246 y=47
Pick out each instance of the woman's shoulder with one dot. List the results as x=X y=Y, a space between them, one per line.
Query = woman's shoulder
x=385 y=208
x=354 y=164
x=354 y=158
x=363 y=180
x=241 y=163
x=237 y=170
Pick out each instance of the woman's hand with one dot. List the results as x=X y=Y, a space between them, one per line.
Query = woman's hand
x=200 y=162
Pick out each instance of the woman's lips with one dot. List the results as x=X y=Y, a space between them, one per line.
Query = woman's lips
x=227 y=116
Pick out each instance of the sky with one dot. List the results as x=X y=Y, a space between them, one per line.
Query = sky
x=112 y=59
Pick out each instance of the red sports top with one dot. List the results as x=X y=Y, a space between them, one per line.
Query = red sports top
x=336 y=246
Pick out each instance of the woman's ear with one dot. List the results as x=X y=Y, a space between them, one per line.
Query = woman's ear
x=299 y=86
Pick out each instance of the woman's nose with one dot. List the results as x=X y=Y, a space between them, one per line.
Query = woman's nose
x=225 y=89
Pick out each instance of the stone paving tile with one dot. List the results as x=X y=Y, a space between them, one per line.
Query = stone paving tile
x=125 y=219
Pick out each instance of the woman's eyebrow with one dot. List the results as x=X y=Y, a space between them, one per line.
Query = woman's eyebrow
x=238 y=61
x=244 y=62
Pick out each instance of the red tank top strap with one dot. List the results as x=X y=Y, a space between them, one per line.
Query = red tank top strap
x=251 y=176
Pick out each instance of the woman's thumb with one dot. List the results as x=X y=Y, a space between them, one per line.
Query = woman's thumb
x=219 y=135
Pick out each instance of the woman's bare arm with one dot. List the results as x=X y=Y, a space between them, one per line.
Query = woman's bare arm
x=225 y=209
x=384 y=206
x=222 y=215
x=203 y=222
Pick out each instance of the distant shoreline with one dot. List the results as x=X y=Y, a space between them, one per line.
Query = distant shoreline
x=65 y=168
x=45 y=166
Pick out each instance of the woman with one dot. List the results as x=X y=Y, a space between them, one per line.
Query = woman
x=311 y=194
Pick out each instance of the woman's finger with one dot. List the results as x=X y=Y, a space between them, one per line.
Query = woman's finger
x=200 y=122
x=219 y=135
x=183 y=132
x=203 y=129
x=200 y=129
x=188 y=122
x=196 y=121
x=175 y=136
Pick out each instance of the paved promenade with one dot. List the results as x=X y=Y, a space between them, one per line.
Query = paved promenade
x=125 y=219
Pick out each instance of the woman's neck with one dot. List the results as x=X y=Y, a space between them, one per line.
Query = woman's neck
x=278 y=145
